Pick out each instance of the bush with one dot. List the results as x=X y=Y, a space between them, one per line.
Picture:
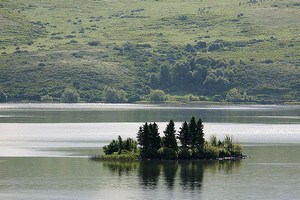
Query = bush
x=167 y=153
x=70 y=96
x=46 y=99
x=184 y=154
x=157 y=96
x=236 y=150
x=115 y=96
x=200 y=45
x=210 y=152
x=111 y=148
x=94 y=43
x=3 y=96
x=215 y=46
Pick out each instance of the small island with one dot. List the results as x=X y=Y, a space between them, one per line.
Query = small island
x=188 y=143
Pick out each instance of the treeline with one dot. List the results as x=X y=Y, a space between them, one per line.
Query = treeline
x=173 y=69
x=180 y=70
x=188 y=143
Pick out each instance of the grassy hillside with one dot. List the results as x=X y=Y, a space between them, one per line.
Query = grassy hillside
x=92 y=45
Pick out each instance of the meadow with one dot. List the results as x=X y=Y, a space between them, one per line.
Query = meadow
x=47 y=46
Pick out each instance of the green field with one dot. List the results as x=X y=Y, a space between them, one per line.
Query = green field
x=93 y=46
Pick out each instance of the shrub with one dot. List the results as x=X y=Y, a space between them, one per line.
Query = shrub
x=94 y=43
x=167 y=153
x=210 y=152
x=115 y=96
x=184 y=153
x=157 y=96
x=215 y=46
x=200 y=45
x=3 y=96
x=70 y=96
x=111 y=148
x=236 y=150
x=46 y=99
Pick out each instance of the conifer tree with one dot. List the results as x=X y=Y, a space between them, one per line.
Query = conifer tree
x=169 y=139
x=155 y=139
x=184 y=135
x=200 y=134
x=193 y=132
x=146 y=133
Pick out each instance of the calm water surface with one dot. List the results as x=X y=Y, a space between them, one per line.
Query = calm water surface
x=44 y=150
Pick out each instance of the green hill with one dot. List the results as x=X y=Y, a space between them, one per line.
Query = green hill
x=234 y=50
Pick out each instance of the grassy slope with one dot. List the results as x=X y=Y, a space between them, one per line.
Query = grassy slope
x=55 y=35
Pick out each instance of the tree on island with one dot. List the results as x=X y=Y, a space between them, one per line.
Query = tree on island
x=184 y=135
x=169 y=140
x=149 y=140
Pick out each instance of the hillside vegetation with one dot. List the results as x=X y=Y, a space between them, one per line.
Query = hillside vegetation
x=127 y=51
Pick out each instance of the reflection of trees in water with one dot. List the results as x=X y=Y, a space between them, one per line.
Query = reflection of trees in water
x=169 y=169
x=148 y=173
x=227 y=166
x=121 y=168
x=191 y=173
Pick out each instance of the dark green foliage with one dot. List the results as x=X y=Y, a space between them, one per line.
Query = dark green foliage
x=184 y=135
x=184 y=153
x=200 y=45
x=115 y=96
x=165 y=78
x=193 y=132
x=215 y=46
x=210 y=152
x=130 y=145
x=155 y=140
x=166 y=153
x=70 y=96
x=157 y=96
x=149 y=140
x=111 y=148
x=200 y=134
x=94 y=43
x=119 y=146
x=237 y=95
x=3 y=96
x=149 y=153
x=169 y=140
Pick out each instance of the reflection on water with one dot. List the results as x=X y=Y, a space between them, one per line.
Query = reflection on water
x=187 y=174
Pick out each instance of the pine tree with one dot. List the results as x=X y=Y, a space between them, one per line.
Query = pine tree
x=146 y=133
x=140 y=136
x=200 y=134
x=184 y=135
x=169 y=139
x=193 y=132
x=154 y=136
x=120 y=144
x=143 y=136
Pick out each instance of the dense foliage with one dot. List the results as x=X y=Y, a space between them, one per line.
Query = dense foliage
x=190 y=136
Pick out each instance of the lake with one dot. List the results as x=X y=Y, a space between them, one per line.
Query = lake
x=44 y=151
